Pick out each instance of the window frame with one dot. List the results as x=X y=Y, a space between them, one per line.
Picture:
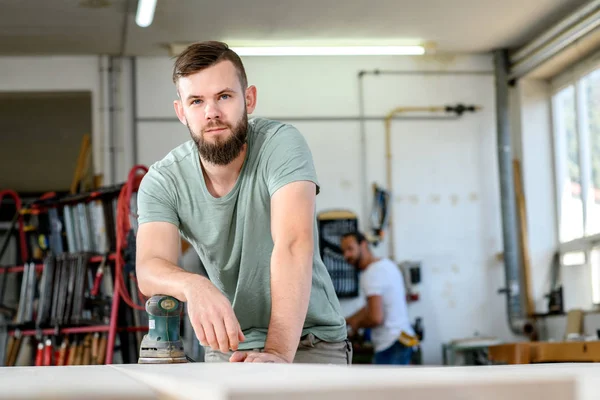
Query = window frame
x=588 y=242
x=574 y=77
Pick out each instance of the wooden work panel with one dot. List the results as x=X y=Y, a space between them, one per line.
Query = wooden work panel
x=71 y=383
x=544 y=352
x=566 y=352
x=227 y=381
x=510 y=353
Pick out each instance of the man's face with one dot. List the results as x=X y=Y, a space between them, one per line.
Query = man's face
x=214 y=107
x=351 y=251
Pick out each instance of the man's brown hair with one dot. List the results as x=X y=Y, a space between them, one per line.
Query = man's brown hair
x=201 y=55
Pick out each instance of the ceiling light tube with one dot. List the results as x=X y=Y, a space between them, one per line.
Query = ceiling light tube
x=330 y=51
x=145 y=12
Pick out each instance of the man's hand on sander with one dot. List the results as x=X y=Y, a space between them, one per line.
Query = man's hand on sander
x=212 y=316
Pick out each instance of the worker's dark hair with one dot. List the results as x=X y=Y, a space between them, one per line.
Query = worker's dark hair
x=201 y=55
x=356 y=235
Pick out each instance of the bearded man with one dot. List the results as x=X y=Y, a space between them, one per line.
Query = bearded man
x=242 y=193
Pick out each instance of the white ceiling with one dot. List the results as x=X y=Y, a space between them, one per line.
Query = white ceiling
x=455 y=26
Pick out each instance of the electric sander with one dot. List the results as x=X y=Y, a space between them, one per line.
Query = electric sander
x=162 y=344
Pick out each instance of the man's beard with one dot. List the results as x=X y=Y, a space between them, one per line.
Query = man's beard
x=356 y=262
x=222 y=151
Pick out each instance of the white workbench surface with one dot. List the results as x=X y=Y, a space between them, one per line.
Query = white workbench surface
x=299 y=381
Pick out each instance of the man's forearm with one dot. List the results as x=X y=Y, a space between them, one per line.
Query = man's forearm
x=291 y=276
x=158 y=276
x=361 y=319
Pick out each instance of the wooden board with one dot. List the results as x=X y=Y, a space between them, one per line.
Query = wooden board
x=524 y=238
x=574 y=323
x=71 y=383
x=544 y=352
x=298 y=381
x=336 y=214
x=510 y=353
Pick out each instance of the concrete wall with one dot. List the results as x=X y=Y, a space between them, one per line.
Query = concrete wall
x=41 y=137
x=58 y=74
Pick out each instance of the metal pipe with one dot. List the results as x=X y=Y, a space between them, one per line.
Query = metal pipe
x=112 y=88
x=106 y=122
x=547 y=36
x=388 y=164
x=124 y=106
x=363 y=150
x=324 y=118
x=124 y=29
x=459 y=109
x=134 y=110
x=362 y=117
x=377 y=72
x=507 y=196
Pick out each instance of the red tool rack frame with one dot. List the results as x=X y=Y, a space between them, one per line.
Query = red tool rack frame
x=112 y=328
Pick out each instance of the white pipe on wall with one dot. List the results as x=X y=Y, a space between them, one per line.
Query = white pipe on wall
x=106 y=167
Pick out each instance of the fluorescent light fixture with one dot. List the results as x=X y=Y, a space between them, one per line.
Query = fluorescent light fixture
x=145 y=12
x=330 y=51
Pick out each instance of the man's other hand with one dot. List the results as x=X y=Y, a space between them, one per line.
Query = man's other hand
x=257 y=357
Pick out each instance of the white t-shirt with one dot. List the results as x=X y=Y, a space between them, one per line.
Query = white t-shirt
x=383 y=278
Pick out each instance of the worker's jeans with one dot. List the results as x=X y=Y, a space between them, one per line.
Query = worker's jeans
x=311 y=350
x=397 y=354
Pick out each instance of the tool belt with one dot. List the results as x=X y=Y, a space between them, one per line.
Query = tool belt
x=408 y=340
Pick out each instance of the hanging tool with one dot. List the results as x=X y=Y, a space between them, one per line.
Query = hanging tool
x=555 y=297
x=62 y=353
x=102 y=349
x=56 y=229
x=95 y=343
x=162 y=344
x=17 y=224
x=47 y=354
x=45 y=297
x=379 y=214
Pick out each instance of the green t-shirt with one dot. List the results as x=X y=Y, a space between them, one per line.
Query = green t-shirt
x=232 y=234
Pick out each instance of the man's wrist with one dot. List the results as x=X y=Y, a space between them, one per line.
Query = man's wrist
x=277 y=346
x=289 y=358
x=190 y=281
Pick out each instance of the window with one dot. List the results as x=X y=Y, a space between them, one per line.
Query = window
x=595 y=266
x=591 y=109
x=568 y=165
x=576 y=118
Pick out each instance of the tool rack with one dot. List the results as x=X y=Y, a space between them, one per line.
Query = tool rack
x=114 y=258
